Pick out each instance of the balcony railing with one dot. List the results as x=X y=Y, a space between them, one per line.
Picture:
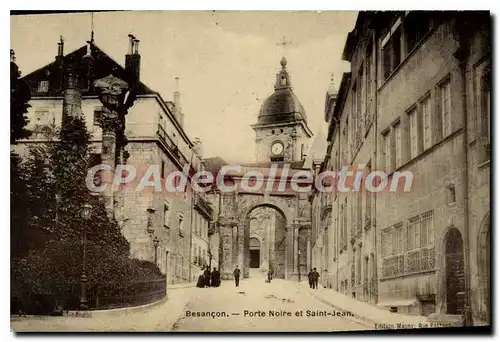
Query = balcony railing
x=171 y=144
x=202 y=205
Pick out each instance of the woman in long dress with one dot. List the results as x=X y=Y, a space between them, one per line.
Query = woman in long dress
x=201 y=279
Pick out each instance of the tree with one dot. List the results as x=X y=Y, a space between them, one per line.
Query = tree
x=56 y=186
x=19 y=97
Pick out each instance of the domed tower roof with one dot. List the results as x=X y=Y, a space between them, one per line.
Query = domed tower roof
x=283 y=105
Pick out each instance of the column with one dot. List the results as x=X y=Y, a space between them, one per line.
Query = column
x=246 y=249
x=286 y=252
x=296 y=249
x=241 y=246
x=272 y=243
x=234 y=247
x=226 y=262
x=72 y=97
x=109 y=123
x=308 y=245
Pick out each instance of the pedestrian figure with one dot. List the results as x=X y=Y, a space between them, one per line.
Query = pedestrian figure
x=217 y=278
x=201 y=279
x=207 y=276
x=269 y=275
x=315 y=278
x=310 y=277
x=213 y=278
x=236 y=275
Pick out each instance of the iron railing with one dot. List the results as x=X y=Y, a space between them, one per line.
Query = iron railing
x=99 y=297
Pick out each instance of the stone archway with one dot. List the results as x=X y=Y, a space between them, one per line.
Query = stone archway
x=454 y=262
x=484 y=268
x=274 y=245
x=235 y=222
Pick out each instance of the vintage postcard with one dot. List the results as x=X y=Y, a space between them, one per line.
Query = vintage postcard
x=286 y=171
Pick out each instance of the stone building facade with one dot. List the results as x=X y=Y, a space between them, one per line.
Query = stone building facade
x=166 y=227
x=416 y=100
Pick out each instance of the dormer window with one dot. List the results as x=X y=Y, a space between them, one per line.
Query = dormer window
x=43 y=86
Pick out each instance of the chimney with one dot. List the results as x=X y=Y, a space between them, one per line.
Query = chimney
x=60 y=47
x=133 y=60
x=177 y=104
x=59 y=72
x=88 y=61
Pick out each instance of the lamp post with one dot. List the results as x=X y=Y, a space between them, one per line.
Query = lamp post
x=86 y=213
x=155 y=243
x=298 y=261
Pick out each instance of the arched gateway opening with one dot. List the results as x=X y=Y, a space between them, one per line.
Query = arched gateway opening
x=455 y=272
x=254 y=253
x=483 y=262
x=267 y=252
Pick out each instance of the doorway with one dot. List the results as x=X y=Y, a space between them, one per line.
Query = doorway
x=455 y=273
x=254 y=253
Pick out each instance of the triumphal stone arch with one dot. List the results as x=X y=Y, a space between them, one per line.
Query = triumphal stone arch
x=281 y=137
x=282 y=240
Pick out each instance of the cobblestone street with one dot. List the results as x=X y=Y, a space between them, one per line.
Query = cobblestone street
x=248 y=308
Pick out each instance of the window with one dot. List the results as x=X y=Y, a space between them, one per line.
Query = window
x=413 y=118
x=393 y=248
x=353 y=268
x=369 y=86
x=485 y=105
x=97 y=116
x=162 y=171
x=386 y=149
x=368 y=205
x=361 y=106
x=420 y=237
x=417 y=25
x=341 y=227
x=359 y=214
x=358 y=266
x=427 y=122
x=391 y=50
x=451 y=198
x=482 y=116
x=445 y=96
x=43 y=86
x=181 y=224
x=166 y=208
x=345 y=224
x=398 y=146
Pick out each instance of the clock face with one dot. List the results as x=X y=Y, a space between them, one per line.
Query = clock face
x=277 y=148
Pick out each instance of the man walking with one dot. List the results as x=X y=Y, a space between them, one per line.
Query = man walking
x=315 y=278
x=310 y=277
x=236 y=275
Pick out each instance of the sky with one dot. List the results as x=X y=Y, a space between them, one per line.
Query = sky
x=226 y=61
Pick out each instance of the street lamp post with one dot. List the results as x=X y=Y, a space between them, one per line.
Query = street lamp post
x=155 y=243
x=298 y=261
x=86 y=213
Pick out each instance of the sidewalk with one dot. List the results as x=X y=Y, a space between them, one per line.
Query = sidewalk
x=366 y=313
x=161 y=317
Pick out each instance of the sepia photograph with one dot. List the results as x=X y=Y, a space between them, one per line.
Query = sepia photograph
x=250 y=171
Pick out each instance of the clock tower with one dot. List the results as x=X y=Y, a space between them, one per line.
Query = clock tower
x=281 y=131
